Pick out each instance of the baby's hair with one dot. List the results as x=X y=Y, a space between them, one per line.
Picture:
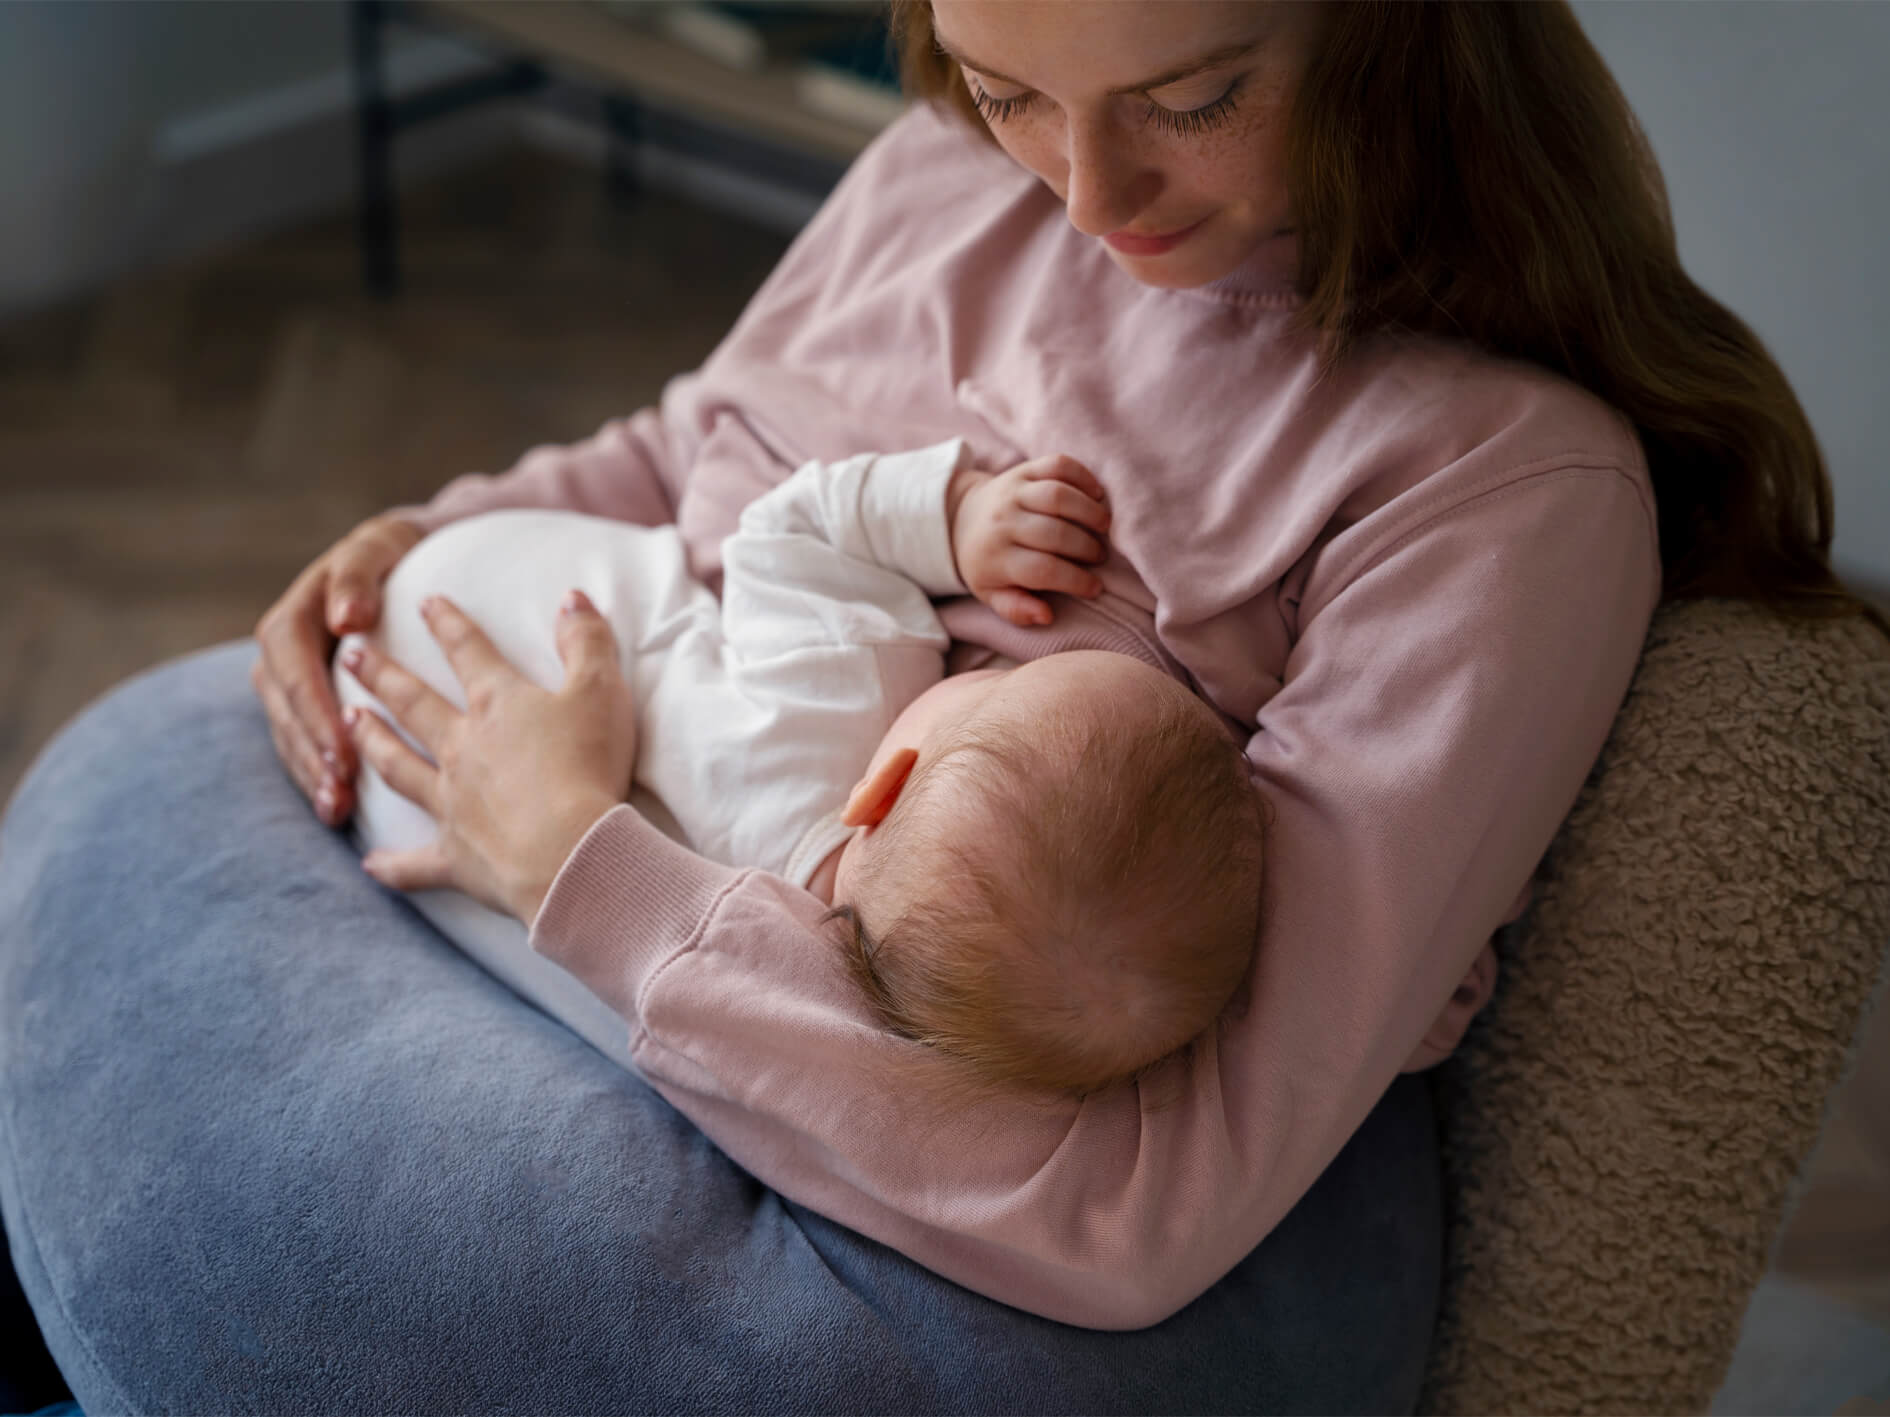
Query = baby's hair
x=1104 y=900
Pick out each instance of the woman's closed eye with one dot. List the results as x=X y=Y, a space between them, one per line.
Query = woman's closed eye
x=1185 y=122
x=1197 y=118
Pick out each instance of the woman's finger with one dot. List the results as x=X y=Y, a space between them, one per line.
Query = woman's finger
x=423 y=868
x=404 y=770
x=1059 y=499
x=1064 y=469
x=1033 y=570
x=587 y=646
x=1058 y=538
x=297 y=752
x=414 y=705
x=357 y=569
x=479 y=666
x=295 y=647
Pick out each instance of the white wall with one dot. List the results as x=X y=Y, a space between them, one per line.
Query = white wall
x=134 y=131
x=1772 y=125
x=83 y=89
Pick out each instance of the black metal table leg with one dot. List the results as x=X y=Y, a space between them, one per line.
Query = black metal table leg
x=623 y=118
x=374 y=115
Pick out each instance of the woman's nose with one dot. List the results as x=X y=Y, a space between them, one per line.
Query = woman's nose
x=1107 y=184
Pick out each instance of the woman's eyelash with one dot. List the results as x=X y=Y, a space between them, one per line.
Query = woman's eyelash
x=1190 y=122
x=1181 y=122
x=998 y=110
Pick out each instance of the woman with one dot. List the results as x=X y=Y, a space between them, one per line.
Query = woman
x=1370 y=320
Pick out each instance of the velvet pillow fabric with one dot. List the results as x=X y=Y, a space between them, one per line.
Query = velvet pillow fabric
x=268 y=1142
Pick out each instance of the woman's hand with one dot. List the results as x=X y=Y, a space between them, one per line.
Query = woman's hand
x=1037 y=526
x=519 y=777
x=340 y=592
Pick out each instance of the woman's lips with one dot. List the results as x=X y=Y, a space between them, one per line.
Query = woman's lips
x=1131 y=244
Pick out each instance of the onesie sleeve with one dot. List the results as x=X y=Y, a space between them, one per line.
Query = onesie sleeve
x=846 y=552
x=759 y=725
x=1451 y=685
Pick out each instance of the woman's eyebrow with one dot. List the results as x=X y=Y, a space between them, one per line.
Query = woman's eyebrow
x=1213 y=59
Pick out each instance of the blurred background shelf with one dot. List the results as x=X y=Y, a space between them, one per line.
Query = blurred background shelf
x=791 y=90
x=618 y=47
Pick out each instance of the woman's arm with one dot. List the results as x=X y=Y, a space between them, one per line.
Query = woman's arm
x=628 y=470
x=1449 y=689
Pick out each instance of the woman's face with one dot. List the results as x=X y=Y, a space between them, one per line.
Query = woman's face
x=1160 y=123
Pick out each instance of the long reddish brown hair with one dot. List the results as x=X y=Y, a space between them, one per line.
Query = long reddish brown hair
x=1474 y=171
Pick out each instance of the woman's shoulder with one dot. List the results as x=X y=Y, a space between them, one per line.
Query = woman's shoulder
x=1466 y=396
x=927 y=133
x=1435 y=421
x=1432 y=431
x=929 y=159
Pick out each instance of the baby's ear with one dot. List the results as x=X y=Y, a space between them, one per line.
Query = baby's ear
x=874 y=795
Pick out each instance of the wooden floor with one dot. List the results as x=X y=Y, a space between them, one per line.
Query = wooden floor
x=174 y=450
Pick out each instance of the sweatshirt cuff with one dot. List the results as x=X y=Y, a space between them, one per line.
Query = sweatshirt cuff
x=625 y=901
x=422 y=516
x=902 y=507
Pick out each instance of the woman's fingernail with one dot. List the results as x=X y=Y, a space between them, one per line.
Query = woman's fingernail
x=332 y=760
x=573 y=602
x=430 y=604
x=351 y=658
x=351 y=715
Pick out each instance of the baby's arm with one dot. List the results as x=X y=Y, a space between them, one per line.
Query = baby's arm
x=1036 y=526
x=757 y=729
x=828 y=630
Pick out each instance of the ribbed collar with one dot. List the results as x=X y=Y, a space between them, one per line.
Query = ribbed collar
x=1265 y=279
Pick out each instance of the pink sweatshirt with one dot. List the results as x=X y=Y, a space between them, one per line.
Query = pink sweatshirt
x=1420 y=586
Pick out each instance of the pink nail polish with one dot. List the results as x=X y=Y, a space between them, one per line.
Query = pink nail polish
x=351 y=658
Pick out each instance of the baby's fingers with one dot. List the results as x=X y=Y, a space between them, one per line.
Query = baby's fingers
x=1052 y=498
x=1063 y=469
x=1019 y=607
x=1038 y=570
x=1056 y=537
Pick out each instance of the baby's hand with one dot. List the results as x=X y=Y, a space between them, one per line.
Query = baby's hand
x=1032 y=527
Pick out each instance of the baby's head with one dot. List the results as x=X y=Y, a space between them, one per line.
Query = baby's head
x=1059 y=880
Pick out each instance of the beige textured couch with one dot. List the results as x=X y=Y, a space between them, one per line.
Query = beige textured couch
x=1624 y=1125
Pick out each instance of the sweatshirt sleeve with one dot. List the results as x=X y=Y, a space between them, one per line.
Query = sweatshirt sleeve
x=759 y=724
x=627 y=470
x=1450 y=687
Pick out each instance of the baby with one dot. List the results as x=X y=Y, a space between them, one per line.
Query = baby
x=1058 y=879
x=1050 y=871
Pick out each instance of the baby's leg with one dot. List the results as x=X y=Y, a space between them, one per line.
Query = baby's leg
x=508 y=571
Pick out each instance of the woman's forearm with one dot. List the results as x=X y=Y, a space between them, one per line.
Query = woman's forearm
x=627 y=470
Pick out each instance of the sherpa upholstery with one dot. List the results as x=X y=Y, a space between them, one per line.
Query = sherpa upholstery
x=1623 y=1125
